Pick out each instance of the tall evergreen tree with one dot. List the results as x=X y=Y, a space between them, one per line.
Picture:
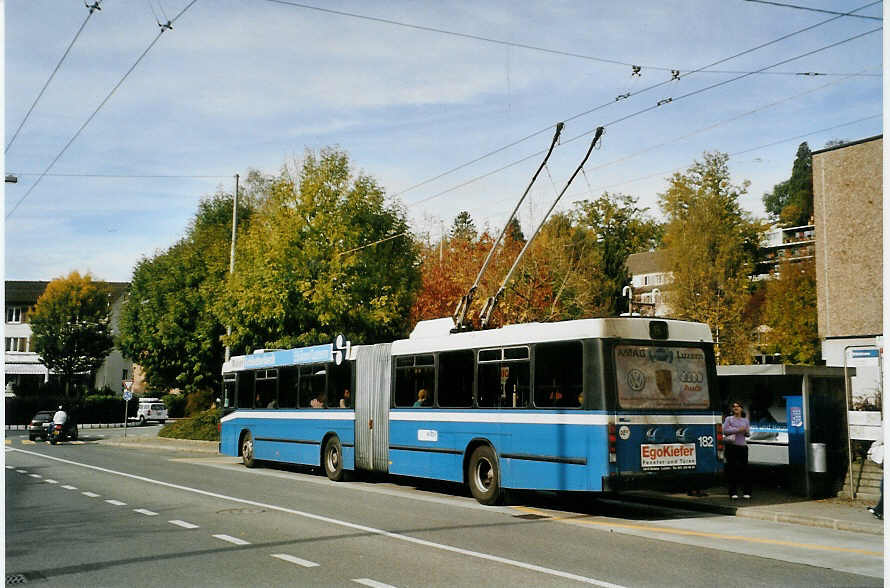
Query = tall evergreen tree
x=791 y=201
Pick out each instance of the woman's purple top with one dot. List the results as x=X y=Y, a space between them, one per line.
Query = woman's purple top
x=733 y=425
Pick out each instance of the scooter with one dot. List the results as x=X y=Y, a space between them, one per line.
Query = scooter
x=56 y=433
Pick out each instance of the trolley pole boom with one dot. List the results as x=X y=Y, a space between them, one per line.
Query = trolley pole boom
x=463 y=306
x=492 y=301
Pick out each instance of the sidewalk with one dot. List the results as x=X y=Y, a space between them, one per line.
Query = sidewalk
x=770 y=504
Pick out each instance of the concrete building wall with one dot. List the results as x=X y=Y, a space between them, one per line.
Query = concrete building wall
x=847 y=186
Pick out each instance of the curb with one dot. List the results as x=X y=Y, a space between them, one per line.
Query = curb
x=162 y=443
x=811 y=521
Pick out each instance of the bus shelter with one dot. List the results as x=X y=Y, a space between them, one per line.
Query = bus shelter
x=798 y=421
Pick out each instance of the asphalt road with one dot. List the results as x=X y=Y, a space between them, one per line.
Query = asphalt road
x=92 y=515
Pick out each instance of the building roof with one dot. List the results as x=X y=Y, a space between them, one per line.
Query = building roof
x=25 y=292
x=850 y=144
x=648 y=262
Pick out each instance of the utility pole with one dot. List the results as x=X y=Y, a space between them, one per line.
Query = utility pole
x=232 y=254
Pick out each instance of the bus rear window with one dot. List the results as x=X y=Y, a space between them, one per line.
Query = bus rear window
x=652 y=377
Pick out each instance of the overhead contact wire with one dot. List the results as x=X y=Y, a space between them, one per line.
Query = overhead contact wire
x=51 y=76
x=98 y=108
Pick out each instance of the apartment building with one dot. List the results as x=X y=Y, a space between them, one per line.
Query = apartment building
x=23 y=368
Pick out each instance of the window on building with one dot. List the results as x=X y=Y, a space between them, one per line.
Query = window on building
x=20 y=344
x=14 y=314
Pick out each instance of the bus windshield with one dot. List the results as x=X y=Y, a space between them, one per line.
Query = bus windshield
x=651 y=377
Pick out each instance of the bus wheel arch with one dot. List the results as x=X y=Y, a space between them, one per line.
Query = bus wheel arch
x=482 y=472
x=246 y=449
x=332 y=457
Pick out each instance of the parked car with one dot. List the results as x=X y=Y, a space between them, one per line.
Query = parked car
x=150 y=409
x=38 y=425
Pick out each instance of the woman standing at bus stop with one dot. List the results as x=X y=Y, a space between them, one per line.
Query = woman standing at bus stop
x=735 y=429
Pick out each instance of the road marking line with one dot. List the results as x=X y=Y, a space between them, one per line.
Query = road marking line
x=372 y=583
x=22 y=471
x=231 y=539
x=295 y=560
x=146 y=512
x=50 y=481
x=8 y=441
x=332 y=521
x=91 y=494
x=35 y=475
x=671 y=531
x=78 y=442
x=26 y=442
x=183 y=524
x=116 y=502
x=69 y=487
x=10 y=467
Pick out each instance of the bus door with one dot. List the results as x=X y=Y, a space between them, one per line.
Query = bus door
x=663 y=421
x=372 y=383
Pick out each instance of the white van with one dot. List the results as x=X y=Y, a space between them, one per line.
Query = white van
x=150 y=409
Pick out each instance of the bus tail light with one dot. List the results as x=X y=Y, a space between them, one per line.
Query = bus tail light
x=719 y=441
x=613 y=440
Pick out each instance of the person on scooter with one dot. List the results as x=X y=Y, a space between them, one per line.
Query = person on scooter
x=59 y=420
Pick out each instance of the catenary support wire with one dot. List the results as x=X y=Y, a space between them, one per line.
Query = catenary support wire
x=94 y=7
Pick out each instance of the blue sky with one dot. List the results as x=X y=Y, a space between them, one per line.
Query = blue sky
x=240 y=84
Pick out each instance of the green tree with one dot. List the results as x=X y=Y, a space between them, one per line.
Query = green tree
x=791 y=201
x=620 y=227
x=711 y=245
x=71 y=326
x=790 y=313
x=463 y=227
x=167 y=323
x=323 y=255
x=514 y=231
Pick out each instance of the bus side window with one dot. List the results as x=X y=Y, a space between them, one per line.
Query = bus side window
x=504 y=378
x=229 y=387
x=266 y=389
x=288 y=387
x=339 y=380
x=413 y=374
x=558 y=374
x=455 y=381
x=245 y=390
x=312 y=385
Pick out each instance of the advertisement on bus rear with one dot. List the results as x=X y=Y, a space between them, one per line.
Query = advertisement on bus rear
x=668 y=378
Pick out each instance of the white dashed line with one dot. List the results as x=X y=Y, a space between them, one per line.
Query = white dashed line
x=10 y=467
x=231 y=539
x=183 y=524
x=146 y=512
x=116 y=502
x=91 y=494
x=22 y=471
x=35 y=475
x=295 y=560
x=49 y=481
x=372 y=583
x=69 y=487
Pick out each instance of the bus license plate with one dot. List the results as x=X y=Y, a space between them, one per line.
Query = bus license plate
x=667 y=456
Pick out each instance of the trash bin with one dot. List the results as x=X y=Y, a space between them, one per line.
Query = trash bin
x=818 y=458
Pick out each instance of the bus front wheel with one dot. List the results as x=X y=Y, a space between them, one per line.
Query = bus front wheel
x=483 y=476
x=333 y=459
x=247 y=450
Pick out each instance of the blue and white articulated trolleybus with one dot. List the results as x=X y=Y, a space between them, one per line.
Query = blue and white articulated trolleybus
x=588 y=405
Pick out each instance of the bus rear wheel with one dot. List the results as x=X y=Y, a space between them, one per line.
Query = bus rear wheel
x=333 y=459
x=247 y=450
x=483 y=476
